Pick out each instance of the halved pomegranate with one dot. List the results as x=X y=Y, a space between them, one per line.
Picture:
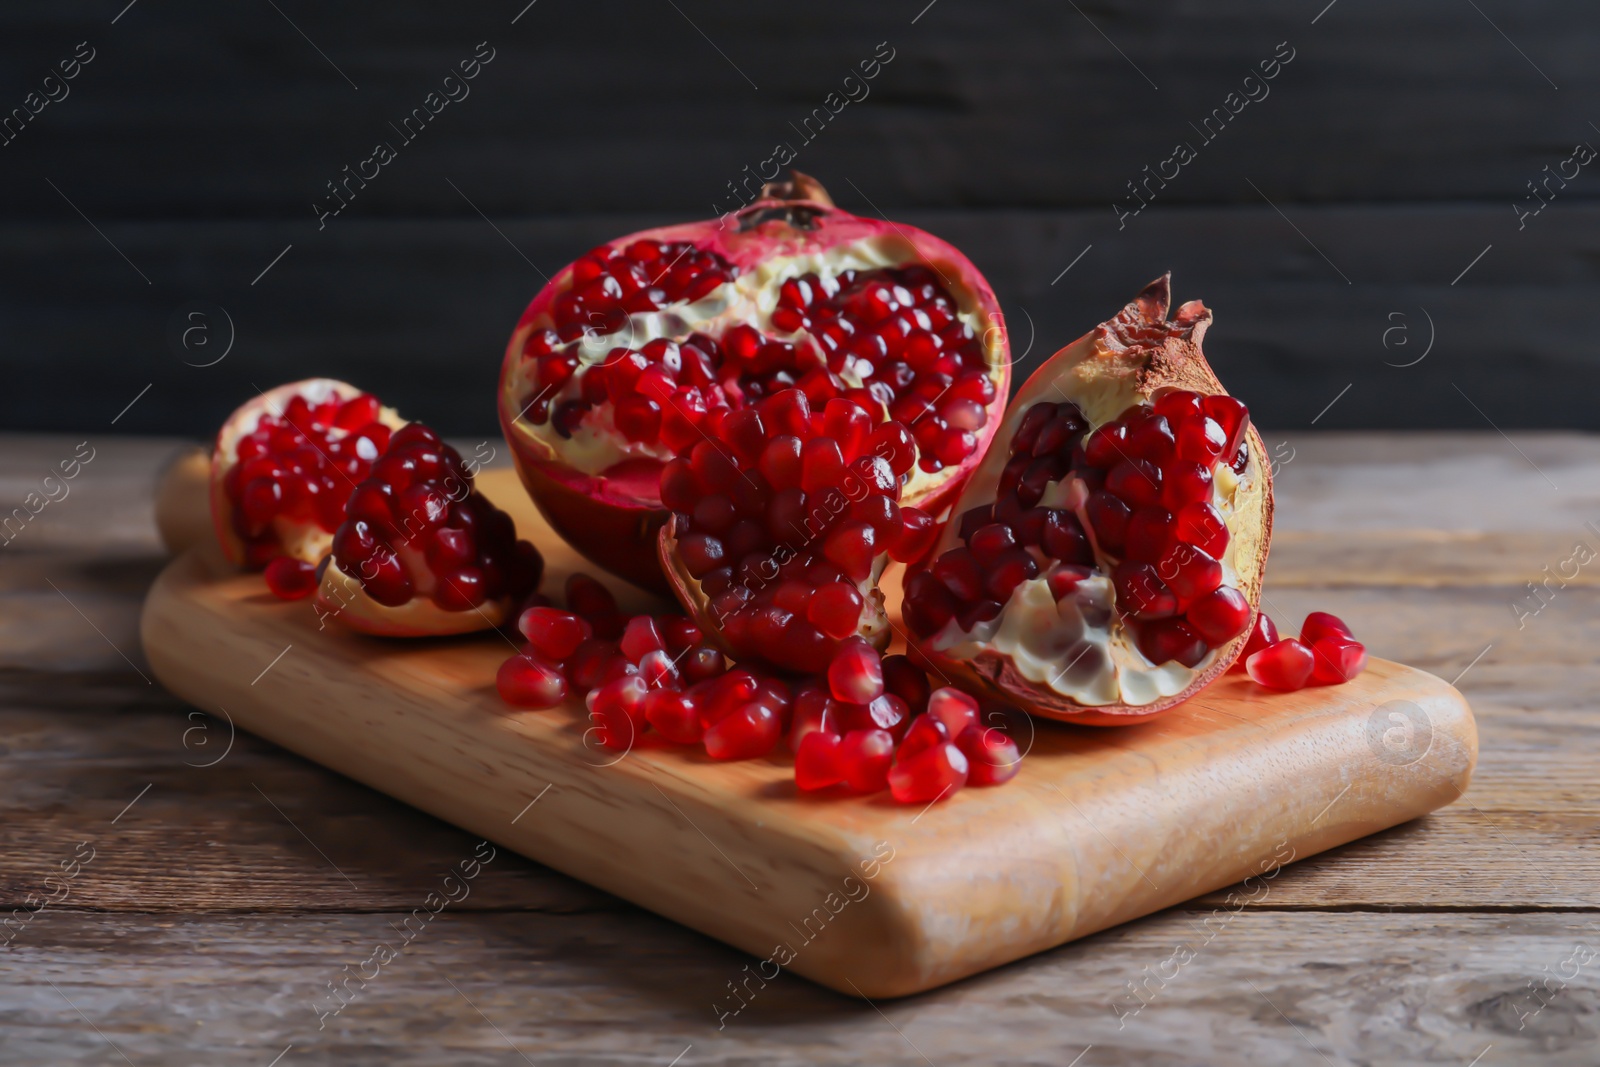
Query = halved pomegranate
x=782 y=523
x=421 y=551
x=283 y=466
x=1105 y=560
x=618 y=364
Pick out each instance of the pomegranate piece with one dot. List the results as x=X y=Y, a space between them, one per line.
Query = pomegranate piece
x=953 y=709
x=750 y=731
x=855 y=674
x=818 y=763
x=423 y=552
x=865 y=757
x=992 y=756
x=523 y=681
x=291 y=579
x=552 y=633
x=617 y=710
x=283 y=466
x=1319 y=625
x=1284 y=664
x=1262 y=634
x=784 y=571
x=1128 y=551
x=927 y=775
x=1336 y=659
x=590 y=411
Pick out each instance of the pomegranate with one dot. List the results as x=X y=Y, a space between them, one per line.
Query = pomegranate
x=1104 y=562
x=281 y=469
x=421 y=551
x=782 y=524
x=636 y=352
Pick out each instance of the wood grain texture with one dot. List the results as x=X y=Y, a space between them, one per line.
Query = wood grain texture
x=1101 y=826
x=420 y=309
x=208 y=924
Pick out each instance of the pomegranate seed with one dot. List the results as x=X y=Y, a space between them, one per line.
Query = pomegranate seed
x=992 y=756
x=640 y=637
x=865 y=757
x=905 y=680
x=1141 y=592
x=746 y=733
x=291 y=579
x=929 y=775
x=1137 y=481
x=1285 y=664
x=1220 y=616
x=553 y=634
x=617 y=710
x=954 y=710
x=1264 y=633
x=835 y=609
x=1150 y=534
x=1337 y=659
x=1165 y=640
x=855 y=675
x=924 y=732
x=1320 y=625
x=1189 y=572
x=524 y=682
x=673 y=716
x=918 y=532
x=818 y=763
x=1202 y=525
x=1232 y=416
x=1065 y=580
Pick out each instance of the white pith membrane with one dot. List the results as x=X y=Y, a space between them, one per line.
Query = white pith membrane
x=303 y=540
x=1079 y=647
x=597 y=446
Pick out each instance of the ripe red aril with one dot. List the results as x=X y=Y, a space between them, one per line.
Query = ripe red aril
x=1320 y=624
x=651 y=343
x=291 y=579
x=865 y=757
x=524 y=681
x=929 y=774
x=421 y=551
x=283 y=466
x=1104 y=561
x=1284 y=664
x=992 y=756
x=818 y=763
x=1336 y=659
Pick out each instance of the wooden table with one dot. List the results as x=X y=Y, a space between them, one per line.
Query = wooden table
x=222 y=901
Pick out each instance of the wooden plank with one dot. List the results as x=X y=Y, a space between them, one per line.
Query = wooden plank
x=424 y=307
x=1277 y=988
x=979 y=107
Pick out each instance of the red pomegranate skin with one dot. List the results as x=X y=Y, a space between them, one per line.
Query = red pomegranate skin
x=614 y=517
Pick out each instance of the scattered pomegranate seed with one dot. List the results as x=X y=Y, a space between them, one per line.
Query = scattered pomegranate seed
x=291 y=579
x=865 y=757
x=524 y=682
x=1337 y=659
x=1320 y=624
x=819 y=762
x=992 y=756
x=1263 y=634
x=953 y=709
x=933 y=773
x=750 y=731
x=553 y=634
x=1285 y=664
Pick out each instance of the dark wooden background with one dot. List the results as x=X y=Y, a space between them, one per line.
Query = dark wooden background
x=1388 y=156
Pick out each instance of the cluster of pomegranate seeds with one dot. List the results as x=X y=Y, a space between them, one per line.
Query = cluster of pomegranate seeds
x=894 y=331
x=873 y=724
x=299 y=466
x=608 y=284
x=784 y=517
x=1326 y=653
x=415 y=528
x=1143 y=482
x=867 y=723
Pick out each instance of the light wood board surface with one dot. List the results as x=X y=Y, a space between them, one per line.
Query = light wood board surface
x=226 y=897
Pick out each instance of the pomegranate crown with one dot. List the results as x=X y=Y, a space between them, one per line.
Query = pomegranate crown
x=1143 y=323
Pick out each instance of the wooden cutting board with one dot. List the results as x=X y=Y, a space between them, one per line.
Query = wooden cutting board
x=862 y=895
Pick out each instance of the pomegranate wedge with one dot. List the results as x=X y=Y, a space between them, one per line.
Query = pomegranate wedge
x=619 y=364
x=283 y=466
x=421 y=551
x=1105 y=560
